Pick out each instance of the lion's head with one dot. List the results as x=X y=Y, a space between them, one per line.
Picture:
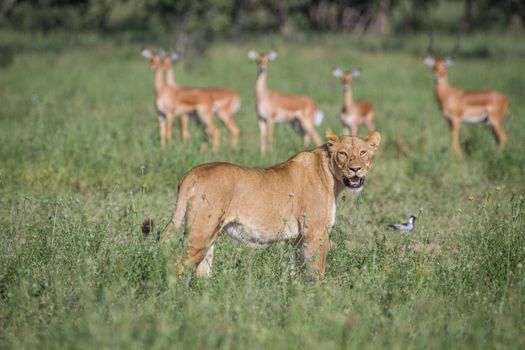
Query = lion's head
x=351 y=157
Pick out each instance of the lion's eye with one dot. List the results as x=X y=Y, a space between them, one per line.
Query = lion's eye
x=342 y=155
x=363 y=153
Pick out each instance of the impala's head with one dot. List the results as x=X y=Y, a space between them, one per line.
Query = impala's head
x=351 y=157
x=262 y=59
x=346 y=76
x=168 y=60
x=439 y=66
x=156 y=60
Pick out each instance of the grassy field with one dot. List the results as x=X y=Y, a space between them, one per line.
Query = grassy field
x=80 y=168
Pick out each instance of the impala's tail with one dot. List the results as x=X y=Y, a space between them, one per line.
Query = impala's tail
x=236 y=104
x=319 y=116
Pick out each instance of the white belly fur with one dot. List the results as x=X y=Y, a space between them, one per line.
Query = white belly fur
x=332 y=222
x=474 y=118
x=262 y=114
x=255 y=237
x=319 y=116
x=350 y=119
x=280 y=117
x=159 y=107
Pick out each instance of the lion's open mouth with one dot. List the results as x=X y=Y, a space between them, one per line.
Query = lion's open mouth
x=354 y=181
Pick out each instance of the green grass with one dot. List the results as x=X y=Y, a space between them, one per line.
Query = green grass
x=80 y=168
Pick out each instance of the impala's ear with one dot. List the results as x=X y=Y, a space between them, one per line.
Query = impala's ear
x=147 y=53
x=373 y=140
x=449 y=61
x=272 y=55
x=337 y=72
x=332 y=139
x=356 y=72
x=253 y=55
x=174 y=56
x=430 y=61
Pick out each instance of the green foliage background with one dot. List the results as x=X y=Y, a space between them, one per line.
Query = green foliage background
x=227 y=17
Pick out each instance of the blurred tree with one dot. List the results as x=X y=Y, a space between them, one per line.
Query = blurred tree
x=381 y=20
x=412 y=13
x=205 y=19
x=498 y=12
x=467 y=16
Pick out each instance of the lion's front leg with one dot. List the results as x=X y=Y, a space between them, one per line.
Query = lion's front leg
x=316 y=247
x=296 y=256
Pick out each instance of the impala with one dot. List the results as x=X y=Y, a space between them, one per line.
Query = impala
x=355 y=112
x=171 y=101
x=225 y=101
x=274 y=107
x=468 y=106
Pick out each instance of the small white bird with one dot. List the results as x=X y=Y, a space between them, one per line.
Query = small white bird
x=406 y=227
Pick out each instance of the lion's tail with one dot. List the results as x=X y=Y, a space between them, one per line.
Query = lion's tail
x=180 y=212
x=179 y=216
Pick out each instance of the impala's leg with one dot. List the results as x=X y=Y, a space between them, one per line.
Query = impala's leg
x=227 y=119
x=264 y=138
x=346 y=129
x=210 y=128
x=315 y=250
x=183 y=126
x=169 y=126
x=316 y=137
x=455 y=125
x=162 y=131
x=310 y=129
x=501 y=136
x=306 y=138
x=309 y=126
x=355 y=129
x=269 y=133
x=496 y=121
x=370 y=124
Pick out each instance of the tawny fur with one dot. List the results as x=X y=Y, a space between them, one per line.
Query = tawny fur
x=225 y=103
x=458 y=105
x=294 y=200
x=354 y=113
x=173 y=101
x=274 y=107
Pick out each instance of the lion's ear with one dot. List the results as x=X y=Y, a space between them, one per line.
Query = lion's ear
x=332 y=138
x=373 y=140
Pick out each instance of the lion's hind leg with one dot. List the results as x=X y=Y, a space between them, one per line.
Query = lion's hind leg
x=202 y=230
x=204 y=267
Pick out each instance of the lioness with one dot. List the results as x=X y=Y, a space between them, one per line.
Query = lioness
x=294 y=200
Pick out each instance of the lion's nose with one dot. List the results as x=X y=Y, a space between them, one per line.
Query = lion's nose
x=355 y=169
